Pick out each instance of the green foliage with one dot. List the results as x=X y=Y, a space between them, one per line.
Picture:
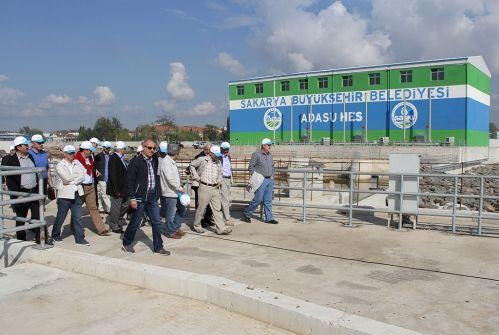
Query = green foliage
x=105 y=129
x=210 y=133
x=30 y=131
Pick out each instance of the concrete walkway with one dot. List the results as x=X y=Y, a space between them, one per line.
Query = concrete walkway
x=426 y=281
x=35 y=299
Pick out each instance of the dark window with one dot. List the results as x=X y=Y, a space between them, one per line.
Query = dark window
x=285 y=85
x=240 y=89
x=406 y=76
x=347 y=81
x=323 y=82
x=258 y=88
x=374 y=79
x=303 y=84
x=437 y=73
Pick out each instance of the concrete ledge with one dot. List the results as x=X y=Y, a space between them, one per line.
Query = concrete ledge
x=279 y=310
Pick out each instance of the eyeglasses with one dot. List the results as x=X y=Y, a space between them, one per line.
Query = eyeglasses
x=150 y=148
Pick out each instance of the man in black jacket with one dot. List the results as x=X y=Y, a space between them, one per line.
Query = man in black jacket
x=102 y=176
x=116 y=188
x=27 y=183
x=143 y=187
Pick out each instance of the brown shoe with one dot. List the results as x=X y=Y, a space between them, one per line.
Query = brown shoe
x=104 y=233
x=162 y=252
x=175 y=236
x=181 y=232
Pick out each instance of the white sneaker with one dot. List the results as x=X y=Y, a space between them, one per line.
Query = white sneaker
x=199 y=230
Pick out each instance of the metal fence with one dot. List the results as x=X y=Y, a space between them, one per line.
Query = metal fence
x=22 y=197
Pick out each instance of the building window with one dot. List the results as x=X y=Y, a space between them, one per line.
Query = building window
x=258 y=88
x=437 y=73
x=284 y=85
x=240 y=89
x=323 y=82
x=406 y=76
x=374 y=79
x=347 y=81
x=303 y=84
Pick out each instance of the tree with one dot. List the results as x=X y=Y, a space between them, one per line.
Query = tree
x=211 y=133
x=84 y=133
x=104 y=129
x=145 y=131
x=225 y=136
x=167 y=119
x=26 y=130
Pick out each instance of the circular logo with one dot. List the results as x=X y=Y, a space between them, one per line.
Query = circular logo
x=404 y=117
x=272 y=119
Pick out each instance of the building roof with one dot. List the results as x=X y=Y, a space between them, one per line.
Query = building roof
x=476 y=61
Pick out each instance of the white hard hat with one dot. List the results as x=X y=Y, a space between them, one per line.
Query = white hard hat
x=69 y=149
x=94 y=140
x=37 y=138
x=225 y=145
x=163 y=147
x=185 y=200
x=20 y=140
x=140 y=148
x=120 y=145
x=107 y=144
x=87 y=145
x=12 y=147
x=215 y=149
x=266 y=141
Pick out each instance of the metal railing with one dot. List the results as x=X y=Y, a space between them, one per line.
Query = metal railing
x=19 y=198
x=480 y=215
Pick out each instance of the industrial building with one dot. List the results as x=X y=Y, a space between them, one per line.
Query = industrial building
x=444 y=101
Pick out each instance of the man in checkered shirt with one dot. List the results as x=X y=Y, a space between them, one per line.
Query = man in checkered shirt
x=207 y=170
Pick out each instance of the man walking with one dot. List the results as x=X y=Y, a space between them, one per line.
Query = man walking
x=84 y=156
x=143 y=188
x=207 y=170
x=69 y=193
x=261 y=162
x=27 y=183
x=207 y=219
x=102 y=173
x=226 y=181
x=170 y=199
x=116 y=188
x=41 y=159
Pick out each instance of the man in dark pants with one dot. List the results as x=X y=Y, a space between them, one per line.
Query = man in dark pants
x=143 y=187
x=27 y=183
x=116 y=188
x=208 y=215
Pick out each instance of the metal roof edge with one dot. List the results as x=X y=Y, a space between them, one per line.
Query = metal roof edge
x=479 y=63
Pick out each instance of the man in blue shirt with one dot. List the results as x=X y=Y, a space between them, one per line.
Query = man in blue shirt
x=41 y=159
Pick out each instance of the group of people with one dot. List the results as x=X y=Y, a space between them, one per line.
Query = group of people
x=107 y=183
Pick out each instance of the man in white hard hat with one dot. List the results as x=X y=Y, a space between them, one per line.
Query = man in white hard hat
x=27 y=183
x=139 y=150
x=69 y=193
x=116 y=188
x=84 y=156
x=261 y=162
x=102 y=173
x=41 y=158
x=207 y=170
x=226 y=181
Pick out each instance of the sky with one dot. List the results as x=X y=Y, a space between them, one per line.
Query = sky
x=65 y=63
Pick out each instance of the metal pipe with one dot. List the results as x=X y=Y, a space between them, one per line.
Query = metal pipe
x=291 y=138
x=304 y=200
x=21 y=200
x=344 y=119
x=41 y=209
x=365 y=98
x=350 y=200
x=401 y=200
x=480 y=209
x=454 y=207
x=404 y=112
x=429 y=115
x=24 y=227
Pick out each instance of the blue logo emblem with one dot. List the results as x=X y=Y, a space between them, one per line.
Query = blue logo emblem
x=404 y=117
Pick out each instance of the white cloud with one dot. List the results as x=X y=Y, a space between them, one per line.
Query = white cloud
x=202 y=109
x=3 y=78
x=178 y=87
x=55 y=100
x=104 y=96
x=165 y=105
x=228 y=62
x=299 y=62
x=10 y=96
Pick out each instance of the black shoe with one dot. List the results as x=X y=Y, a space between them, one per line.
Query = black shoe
x=49 y=241
x=57 y=239
x=128 y=249
x=245 y=219
x=162 y=252
x=83 y=243
x=204 y=225
x=272 y=221
x=118 y=231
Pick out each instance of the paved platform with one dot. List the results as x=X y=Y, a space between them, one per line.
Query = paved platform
x=426 y=281
x=36 y=299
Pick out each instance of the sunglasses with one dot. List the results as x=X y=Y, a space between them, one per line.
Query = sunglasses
x=150 y=148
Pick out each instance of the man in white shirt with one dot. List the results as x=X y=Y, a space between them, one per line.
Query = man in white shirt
x=226 y=182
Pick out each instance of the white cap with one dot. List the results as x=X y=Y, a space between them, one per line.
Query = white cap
x=266 y=141
x=12 y=147
x=94 y=140
x=120 y=145
x=225 y=145
x=107 y=144
x=163 y=147
x=87 y=145
x=20 y=140
x=185 y=200
x=215 y=149
x=37 y=138
x=69 y=149
x=140 y=148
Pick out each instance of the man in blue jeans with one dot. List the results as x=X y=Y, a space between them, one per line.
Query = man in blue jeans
x=261 y=162
x=143 y=188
